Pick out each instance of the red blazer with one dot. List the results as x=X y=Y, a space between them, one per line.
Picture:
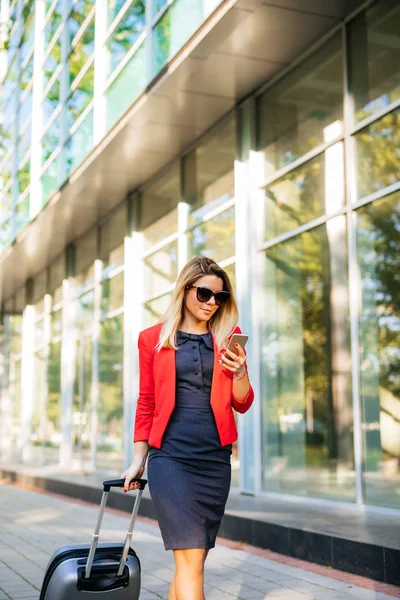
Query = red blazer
x=157 y=392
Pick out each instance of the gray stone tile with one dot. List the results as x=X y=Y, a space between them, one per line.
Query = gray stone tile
x=32 y=526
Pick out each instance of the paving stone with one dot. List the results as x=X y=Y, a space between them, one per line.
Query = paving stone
x=33 y=525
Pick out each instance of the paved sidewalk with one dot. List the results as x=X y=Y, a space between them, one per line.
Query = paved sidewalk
x=33 y=525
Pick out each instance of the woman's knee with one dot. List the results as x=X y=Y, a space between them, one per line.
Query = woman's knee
x=192 y=559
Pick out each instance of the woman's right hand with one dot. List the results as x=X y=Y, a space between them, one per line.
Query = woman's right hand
x=137 y=467
x=131 y=472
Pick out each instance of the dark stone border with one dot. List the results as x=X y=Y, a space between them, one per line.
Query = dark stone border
x=368 y=560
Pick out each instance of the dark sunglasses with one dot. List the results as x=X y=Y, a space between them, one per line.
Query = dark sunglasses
x=203 y=294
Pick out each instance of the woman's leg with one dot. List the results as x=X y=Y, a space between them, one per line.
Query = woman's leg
x=172 y=593
x=188 y=581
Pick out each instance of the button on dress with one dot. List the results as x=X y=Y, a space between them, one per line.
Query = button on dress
x=189 y=476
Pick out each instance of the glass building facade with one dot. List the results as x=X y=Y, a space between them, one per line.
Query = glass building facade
x=295 y=192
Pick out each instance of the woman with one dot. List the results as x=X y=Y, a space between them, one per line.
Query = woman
x=184 y=420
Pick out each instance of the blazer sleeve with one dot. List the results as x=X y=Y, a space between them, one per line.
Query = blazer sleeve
x=242 y=406
x=146 y=399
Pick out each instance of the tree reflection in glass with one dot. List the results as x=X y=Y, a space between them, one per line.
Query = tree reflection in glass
x=126 y=33
x=378 y=235
x=304 y=109
x=308 y=192
x=306 y=371
x=374 y=44
x=378 y=155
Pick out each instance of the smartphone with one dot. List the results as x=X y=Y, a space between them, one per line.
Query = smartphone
x=237 y=338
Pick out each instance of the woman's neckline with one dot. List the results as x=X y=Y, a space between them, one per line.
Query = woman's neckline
x=192 y=333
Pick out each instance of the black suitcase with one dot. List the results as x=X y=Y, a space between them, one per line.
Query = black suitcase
x=109 y=571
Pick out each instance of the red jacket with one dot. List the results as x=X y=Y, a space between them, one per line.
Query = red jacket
x=157 y=392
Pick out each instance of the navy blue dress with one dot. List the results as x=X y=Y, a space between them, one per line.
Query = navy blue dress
x=189 y=476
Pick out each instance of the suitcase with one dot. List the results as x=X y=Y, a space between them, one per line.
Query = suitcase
x=96 y=571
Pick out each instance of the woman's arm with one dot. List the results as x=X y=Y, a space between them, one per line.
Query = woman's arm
x=137 y=467
x=144 y=414
x=242 y=392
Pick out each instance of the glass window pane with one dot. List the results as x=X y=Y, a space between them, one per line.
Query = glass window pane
x=378 y=226
x=160 y=269
x=81 y=52
x=80 y=97
x=53 y=24
x=26 y=74
x=56 y=322
x=110 y=438
x=27 y=40
x=77 y=17
x=7 y=141
x=307 y=416
x=39 y=326
x=82 y=405
x=10 y=110
x=53 y=407
x=51 y=100
x=126 y=33
x=50 y=180
x=112 y=293
x=214 y=238
x=209 y=172
x=378 y=155
x=80 y=143
x=127 y=86
x=304 y=109
x=113 y=8
x=28 y=10
x=52 y=62
x=176 y=26
x=22 y=214
x=51 y=139
x=374 y=41
x=8 y=89
x=83 y=310
x=155 y=310
x=158 y=207
x=83 y=7
x=24 y=177
x=231 y=271
x=7 y=170
x=158 y=5
x=25 y=107
x=24 y=143
x=305 y=193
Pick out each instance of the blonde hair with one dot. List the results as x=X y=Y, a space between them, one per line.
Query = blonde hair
x=223 y=321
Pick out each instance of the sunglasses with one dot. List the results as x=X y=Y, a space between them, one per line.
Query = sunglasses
x=203 y=294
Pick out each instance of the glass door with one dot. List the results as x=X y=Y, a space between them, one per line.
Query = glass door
x=82 y=405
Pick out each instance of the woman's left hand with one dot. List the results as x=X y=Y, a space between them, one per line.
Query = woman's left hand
x=234 y=362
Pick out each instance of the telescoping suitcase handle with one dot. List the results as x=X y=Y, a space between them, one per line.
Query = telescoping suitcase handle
x=107 y=485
